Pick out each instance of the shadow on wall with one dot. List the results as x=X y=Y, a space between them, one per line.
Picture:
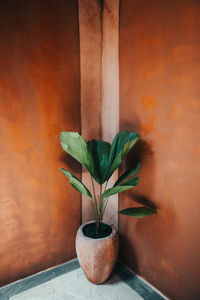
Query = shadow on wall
x=142 y=151
x=68 y=162
x=151 y=234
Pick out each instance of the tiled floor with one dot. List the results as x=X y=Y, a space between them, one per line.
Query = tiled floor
x=74 y=286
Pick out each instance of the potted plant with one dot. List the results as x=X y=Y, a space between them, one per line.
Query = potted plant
x=96 y=241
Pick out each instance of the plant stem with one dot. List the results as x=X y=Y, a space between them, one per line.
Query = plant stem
x=105 y=186
x=100 y=203
x=104 y=207
x=94 y=212
x=96 y=218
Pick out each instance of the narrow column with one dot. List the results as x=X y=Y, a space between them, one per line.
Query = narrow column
x=98 y=26
x=110 y=87
x=90 y=71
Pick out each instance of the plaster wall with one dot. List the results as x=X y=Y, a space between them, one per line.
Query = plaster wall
x=39 y=97
x=160 y=99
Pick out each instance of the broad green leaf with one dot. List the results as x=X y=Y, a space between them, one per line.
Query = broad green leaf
x=100 y=151
x=138 y=212
x=129 y=173
x=120 y=188
x=122 y=144
x=75 y=145
x=77 y=184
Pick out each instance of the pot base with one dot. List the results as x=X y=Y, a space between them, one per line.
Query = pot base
x=97 y=257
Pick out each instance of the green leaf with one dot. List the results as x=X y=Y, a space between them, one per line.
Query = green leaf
x=129 y=173
x=75 y=145
x=100 y=151
x=138 y=212
x=77 y=184
x=120 y=188
x=122 y=144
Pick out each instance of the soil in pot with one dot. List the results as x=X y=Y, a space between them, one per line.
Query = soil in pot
x=90 y=230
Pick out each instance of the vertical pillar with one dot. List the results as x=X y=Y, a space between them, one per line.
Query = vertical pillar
x=110 y=87
x=99 y=28
x=90 y=72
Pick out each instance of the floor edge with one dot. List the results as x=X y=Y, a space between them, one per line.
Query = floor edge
x=139 y=285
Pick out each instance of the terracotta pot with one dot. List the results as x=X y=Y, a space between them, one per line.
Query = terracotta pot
x=97 y=257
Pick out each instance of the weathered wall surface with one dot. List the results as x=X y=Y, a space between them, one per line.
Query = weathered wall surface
x=39 y=97
x=160 y=99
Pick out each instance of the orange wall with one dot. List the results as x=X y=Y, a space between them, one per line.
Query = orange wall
x=39 y=97
x=160 y=99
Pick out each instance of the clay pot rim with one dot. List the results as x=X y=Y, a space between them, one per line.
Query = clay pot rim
x=113 y=233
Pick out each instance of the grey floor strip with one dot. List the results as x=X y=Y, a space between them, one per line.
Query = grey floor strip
x=131 y=279
x=24 y=284
x=136 y=283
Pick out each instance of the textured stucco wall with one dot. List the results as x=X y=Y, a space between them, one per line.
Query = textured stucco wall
x=39 y=97
x=160 y=99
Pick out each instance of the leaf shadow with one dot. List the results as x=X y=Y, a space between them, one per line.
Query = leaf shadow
x=70 y=163
x=155 y=233
x=128 y=254
x=144 y=200
x=143 y=151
